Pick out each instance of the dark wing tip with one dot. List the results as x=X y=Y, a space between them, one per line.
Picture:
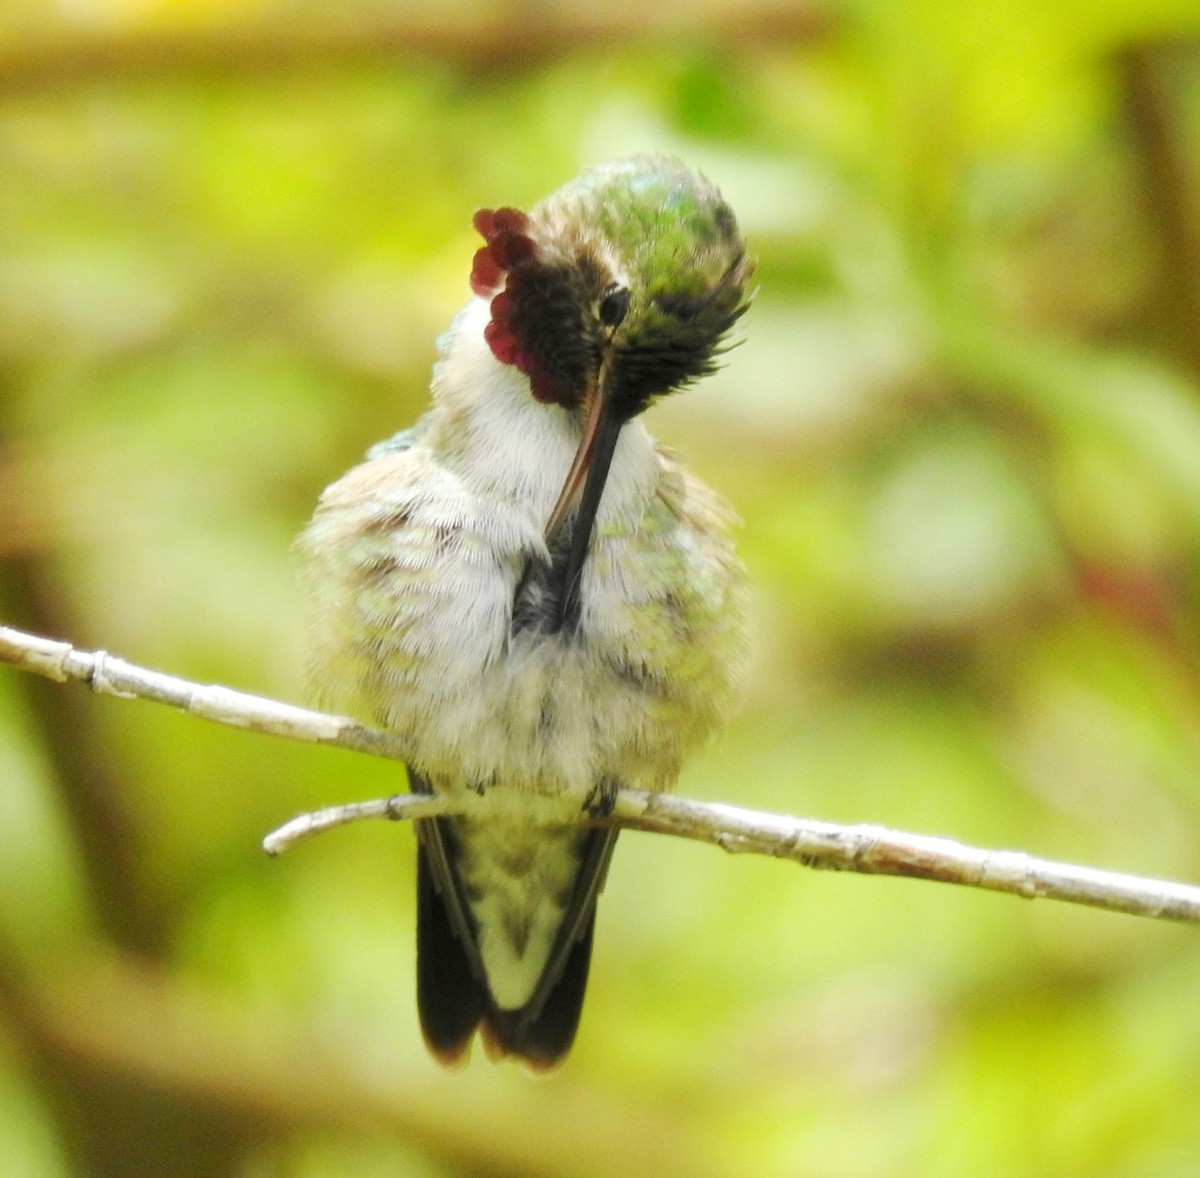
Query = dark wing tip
x=453 y=1059
x=450 y=1000
x=498 y=1045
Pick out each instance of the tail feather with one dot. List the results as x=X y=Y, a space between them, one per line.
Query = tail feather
x=542 y=1038
x=453 y=997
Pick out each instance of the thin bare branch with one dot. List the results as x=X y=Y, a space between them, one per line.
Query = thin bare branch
x=866 y=849
x=108 y=675
x=396 y=808
x=876 y=850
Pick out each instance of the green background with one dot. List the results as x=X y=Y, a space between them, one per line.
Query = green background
x=963 y=432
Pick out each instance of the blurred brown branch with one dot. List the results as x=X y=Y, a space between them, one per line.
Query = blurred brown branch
x=505 y=41
x=1157 y=127
x=189 y=1039
x=103 y=1124
x=866 y=849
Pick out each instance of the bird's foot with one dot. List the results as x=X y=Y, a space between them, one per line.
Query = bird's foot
x=602 y=799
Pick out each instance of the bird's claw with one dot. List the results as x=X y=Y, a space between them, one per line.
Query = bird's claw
x=602 y=799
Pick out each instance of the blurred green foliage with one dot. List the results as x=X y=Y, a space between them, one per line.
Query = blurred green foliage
x=964 y=434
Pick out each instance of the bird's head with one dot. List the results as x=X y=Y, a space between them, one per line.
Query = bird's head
x=620 y=287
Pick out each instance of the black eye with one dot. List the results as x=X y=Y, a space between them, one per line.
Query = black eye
x=614 y=306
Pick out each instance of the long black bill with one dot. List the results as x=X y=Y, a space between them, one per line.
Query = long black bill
x=584 y=486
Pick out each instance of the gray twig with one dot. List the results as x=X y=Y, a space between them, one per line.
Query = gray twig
x=867 y=849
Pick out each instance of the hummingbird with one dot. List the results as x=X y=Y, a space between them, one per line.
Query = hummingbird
x=535 y=598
